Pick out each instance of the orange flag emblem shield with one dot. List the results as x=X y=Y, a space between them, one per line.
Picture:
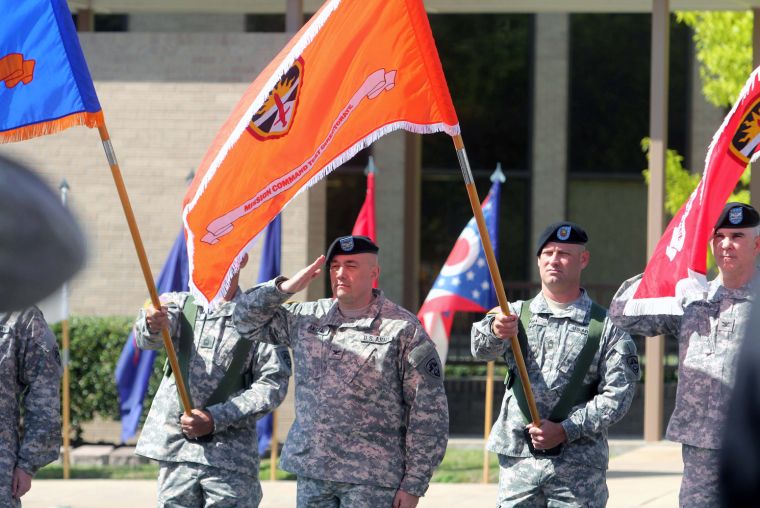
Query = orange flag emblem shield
x=356 y=71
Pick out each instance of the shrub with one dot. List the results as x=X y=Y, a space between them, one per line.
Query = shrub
x=95 y=346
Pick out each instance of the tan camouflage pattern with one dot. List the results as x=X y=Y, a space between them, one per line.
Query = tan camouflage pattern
x=709 y=333
x=186 y=484
x=313 y=493
x=554 y=342
x=699 y=486
x=234 y=444
x=370 y=403
x=530 y=482
x=30 y=367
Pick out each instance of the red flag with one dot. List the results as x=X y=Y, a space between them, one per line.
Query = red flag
x=365 y=221
x=354 y=72
x=679 y=262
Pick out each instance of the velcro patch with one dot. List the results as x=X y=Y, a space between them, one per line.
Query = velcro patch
x=578 y=329
x=420 y=353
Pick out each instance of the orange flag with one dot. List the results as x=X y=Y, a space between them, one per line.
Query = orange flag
x=357 y=70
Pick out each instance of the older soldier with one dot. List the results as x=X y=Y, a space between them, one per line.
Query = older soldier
x=30 y=368
x=209 y=458
x=709 y=331
x=371 y=413
x=583 y=372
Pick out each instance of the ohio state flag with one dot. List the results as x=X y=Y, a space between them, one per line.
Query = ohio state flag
x=356 y=71
x=679 y=262
x=464 y=284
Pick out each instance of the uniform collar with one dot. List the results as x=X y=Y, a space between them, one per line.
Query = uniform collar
x=225 y=308
x=577 y=311
x=336 y=319
x=717 y=291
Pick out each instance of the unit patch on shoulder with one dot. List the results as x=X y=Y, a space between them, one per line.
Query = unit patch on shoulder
x=284 y=355
x=633 y=363
x=432 y=368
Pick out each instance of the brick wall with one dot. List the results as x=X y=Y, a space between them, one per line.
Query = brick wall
x=164 y=97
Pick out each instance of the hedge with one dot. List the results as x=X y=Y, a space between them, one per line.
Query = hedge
x=95 y=346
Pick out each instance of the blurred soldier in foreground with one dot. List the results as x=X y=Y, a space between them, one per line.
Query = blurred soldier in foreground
x=30 y=367
x=371 y=413
x=709 y=330
x=583 y=373
x=41 y=245
x=209 y=459
x=740 y=454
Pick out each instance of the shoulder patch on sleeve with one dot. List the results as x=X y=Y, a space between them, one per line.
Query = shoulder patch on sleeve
x=425 y=359
x=284 y=356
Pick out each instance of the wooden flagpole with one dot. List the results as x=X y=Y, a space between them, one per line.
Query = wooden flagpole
x=130 y=216
x=493 y=268
x=274 y=448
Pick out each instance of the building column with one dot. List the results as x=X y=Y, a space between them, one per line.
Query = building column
x=704 y=118
x=658 y=134
x=550 y=112
x=397 y=198
x=293 y=16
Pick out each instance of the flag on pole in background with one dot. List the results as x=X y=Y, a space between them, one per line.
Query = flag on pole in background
x=354 y=72
x=464 y=283
x=45 y=86
x=268 y=270
x=365 y=221
x=679 y=262
x=135 y=366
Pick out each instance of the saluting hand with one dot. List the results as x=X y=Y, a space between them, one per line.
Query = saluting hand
x=156 y=319
x=504 y=327
x=303 y=277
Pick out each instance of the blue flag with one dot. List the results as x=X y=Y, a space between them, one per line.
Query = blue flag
x=135 y=366
x=45 y=85
x=268 y=270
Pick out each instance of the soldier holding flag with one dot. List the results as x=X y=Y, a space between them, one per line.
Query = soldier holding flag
x=709 y=326
x=583 y=371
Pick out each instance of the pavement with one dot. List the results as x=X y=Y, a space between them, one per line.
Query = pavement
x=640 y=474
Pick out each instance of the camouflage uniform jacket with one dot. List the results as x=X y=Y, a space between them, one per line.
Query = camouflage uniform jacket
x=30 y=367
x=234 y=442
x=554 y=342
x=709 y=333
x=370 y=403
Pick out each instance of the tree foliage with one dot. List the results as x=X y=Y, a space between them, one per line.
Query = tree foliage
x=724 y=50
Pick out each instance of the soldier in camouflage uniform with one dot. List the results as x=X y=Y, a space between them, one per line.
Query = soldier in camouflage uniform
x=371 y=413
x=30 y=367
x=209 y=459
x=709 y=327
x=558 y=328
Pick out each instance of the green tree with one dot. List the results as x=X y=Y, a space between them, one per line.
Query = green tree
x=724 y=50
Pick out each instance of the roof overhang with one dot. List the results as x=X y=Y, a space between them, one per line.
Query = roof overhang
x=432 y=6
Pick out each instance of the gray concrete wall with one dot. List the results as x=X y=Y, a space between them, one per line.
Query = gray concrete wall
x=189 y=23
x=164 y=97
x=613 y=212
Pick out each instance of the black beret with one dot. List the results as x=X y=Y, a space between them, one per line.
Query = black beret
x=350 y=245
x=563 y=232
x=737 y=215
